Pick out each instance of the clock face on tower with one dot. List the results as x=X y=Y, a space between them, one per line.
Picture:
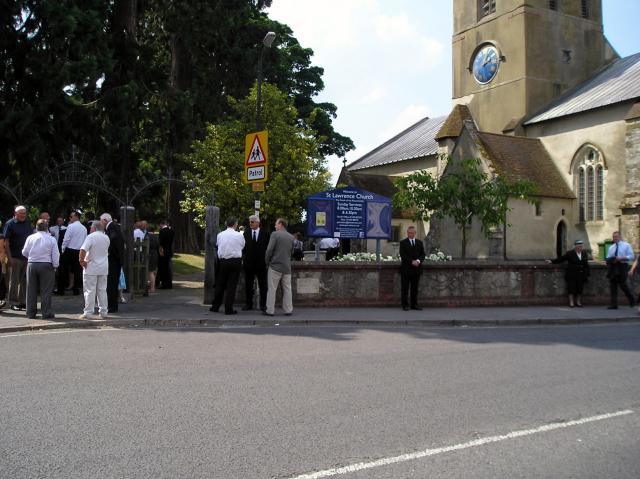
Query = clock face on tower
x=486 y=63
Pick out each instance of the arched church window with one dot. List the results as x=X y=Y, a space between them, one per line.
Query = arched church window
x=588 y=168
x=599 y=192
x=590 y=194
x=585 y=9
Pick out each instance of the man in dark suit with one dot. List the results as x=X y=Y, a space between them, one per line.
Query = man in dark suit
x=411 y=256
x=116 y=259
x=165 y=270
x=256 y=240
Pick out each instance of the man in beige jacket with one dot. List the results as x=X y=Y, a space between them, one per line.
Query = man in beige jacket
x=278 y=260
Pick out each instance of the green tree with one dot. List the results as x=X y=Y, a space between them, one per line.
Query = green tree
x=464 y=191
x=216 y=164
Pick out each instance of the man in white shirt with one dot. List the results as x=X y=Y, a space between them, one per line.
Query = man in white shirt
x=94 y=259
x=41 y=251
x=140 y=231
x=619 y=256
x=73 y=239
x=230 y=244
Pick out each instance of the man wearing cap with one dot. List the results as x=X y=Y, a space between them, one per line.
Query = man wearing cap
x=16 y=232
x=577 y=272
x=619 y=256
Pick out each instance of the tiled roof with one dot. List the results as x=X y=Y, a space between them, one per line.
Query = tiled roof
x=519 y=158
x=417 y=141
x=617 y=83
x=452 y=126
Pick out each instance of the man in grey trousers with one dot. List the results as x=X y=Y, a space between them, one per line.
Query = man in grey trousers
x=41 y=251
x=278 y=260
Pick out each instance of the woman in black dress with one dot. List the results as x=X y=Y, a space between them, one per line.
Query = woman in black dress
x=577 y=272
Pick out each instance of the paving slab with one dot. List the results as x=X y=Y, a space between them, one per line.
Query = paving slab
x=182 y=307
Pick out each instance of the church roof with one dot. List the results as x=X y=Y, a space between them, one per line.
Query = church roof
x=452 y=126
x=617 y=83
x=520 y=158
x=415 y=142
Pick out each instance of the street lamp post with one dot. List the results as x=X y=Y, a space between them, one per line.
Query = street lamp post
x=267 y=41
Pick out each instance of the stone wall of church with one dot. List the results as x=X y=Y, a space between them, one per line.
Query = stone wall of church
x=630 y=220
x=443 y=284
x=606 y=131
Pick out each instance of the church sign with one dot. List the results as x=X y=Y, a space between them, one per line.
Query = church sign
x=348 y=213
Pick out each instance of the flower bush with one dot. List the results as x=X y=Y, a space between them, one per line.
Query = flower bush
x=439 y=256
x=371 y=257
x=363 y=257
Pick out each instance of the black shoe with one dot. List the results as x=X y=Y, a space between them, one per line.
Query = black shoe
x=51 y=316
x=578 y=305
x=263 y=308
x=15 y=307
x=233 y=311
x=288 y=314
x=572 y=305
x=112 y=310
x=31 y=317
x=22 y=306
x=406 y=308
x=214 y=309
x=247 y=308
x=264 y=313
x=417 y=308
x=612 y=307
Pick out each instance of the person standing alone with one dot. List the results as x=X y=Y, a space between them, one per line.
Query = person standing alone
x=411 y=257
x=256 y=240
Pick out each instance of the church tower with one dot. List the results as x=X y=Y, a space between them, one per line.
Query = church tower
x=512 y=57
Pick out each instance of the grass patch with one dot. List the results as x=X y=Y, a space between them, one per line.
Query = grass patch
x=188 y=263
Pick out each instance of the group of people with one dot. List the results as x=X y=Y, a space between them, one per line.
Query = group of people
x=263 y=257
x=42 y=261
x=160 y=253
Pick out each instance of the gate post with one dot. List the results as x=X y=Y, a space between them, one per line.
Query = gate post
x=127 y=215
x=210 y=255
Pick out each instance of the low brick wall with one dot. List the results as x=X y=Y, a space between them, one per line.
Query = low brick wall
x=452 y=283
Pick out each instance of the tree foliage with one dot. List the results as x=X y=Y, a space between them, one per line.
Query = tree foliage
x=216 y=165
x=463 y=192
x=134 y=83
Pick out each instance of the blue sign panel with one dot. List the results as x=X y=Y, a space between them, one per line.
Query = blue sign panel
x=349 y=213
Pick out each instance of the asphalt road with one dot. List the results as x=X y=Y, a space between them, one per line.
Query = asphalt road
x=311 y=402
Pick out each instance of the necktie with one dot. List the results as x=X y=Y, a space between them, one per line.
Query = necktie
x=255 y=237
x=412 y=243
x=615 y=253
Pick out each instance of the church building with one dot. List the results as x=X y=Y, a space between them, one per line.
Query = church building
x=538 y=94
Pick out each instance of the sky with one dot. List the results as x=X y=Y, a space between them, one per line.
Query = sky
x=387 y=63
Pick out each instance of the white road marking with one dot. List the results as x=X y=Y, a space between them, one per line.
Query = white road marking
x=457 y=447
x=64 y=331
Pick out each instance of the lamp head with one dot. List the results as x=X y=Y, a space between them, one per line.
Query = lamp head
x=268 y=39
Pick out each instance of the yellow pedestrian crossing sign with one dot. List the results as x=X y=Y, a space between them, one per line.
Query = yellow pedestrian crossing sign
x=256 y=154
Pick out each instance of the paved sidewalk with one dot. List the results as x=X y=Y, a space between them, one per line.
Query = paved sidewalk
x=183 y=306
